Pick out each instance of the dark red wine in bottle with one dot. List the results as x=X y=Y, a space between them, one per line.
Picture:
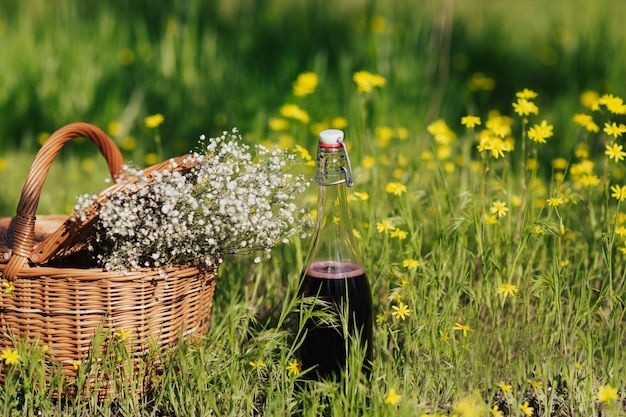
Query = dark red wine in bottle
x=344 y=286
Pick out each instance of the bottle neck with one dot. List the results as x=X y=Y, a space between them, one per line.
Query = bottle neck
x=333 y=175
x=333 y=236
x=333 y=166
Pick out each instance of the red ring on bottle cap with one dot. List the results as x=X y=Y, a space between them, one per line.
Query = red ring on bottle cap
x=331 y=138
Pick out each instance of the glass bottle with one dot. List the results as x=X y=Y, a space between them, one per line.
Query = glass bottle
x=333 y=272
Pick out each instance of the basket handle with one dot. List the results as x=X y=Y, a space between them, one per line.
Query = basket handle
x=24 y=222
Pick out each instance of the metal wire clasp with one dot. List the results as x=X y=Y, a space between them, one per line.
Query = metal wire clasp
x=325 y=175
x=347 y=171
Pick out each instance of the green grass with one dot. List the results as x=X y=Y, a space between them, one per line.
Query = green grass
x=211 y=67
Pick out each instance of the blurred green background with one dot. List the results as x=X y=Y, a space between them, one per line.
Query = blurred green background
x=207 y=66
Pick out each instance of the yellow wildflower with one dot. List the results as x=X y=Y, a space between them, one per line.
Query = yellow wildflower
x=402 y=133
x=384 y=226
x=381 y=317
x=366 y=81
x=9 y=287
x=620 y=231
x=613 y=103
x=304 y=153
x=589 y=99
x=42 y=137
x=128 y=143
x=441 y=132
x=607 y=394
x=470 y=406
x=383 y=135
x=257 y=365
x=489 y=219
x=444 y=152
x=614 y=151
x=498 y=207
x=378 y=24
x=480 y=81
x=614 y=129
x=589 y=180
x=586 y=121
x=392 y=397
x=286 y=141
x=426 y=155
x=499 y=125
x=582 y=151
x=524 y=107
x=462 y=328
x=401 y=311
x=507 y=289
x=151 y=158
x=293 y=111
x=398 y=233
x=496 y=412
x=539 y=133
x=10 y=356
x=396 y=188
x=526 y=94
x=121 y=333
x=294 y=367
x=585 y=166
x=368 y=162
x=305 y=84
x=526 y=409
x=470 y=121
x=277 y=124
x=555 y=201
x=619 y=192
x=559 y=163
x=154 y=120
x=338 y=122
x=488 y=141
x=411 y=264
x=504 y=387
x=317 y=128
x=115 y=128
x=363 y=196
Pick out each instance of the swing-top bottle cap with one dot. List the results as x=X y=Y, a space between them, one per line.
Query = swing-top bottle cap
x=331 y=138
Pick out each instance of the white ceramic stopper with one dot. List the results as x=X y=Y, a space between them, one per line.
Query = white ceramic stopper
x=331 y=137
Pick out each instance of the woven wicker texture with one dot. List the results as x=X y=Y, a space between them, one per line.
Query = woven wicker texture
x=60 y=299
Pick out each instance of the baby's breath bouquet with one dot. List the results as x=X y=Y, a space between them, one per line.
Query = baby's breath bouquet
x=230 y=201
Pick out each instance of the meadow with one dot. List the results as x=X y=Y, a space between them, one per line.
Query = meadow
x=487 y=144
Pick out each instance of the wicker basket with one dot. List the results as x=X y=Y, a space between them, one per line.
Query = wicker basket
x=61 y=300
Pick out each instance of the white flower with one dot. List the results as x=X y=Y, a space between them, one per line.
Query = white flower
x=229 y=202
